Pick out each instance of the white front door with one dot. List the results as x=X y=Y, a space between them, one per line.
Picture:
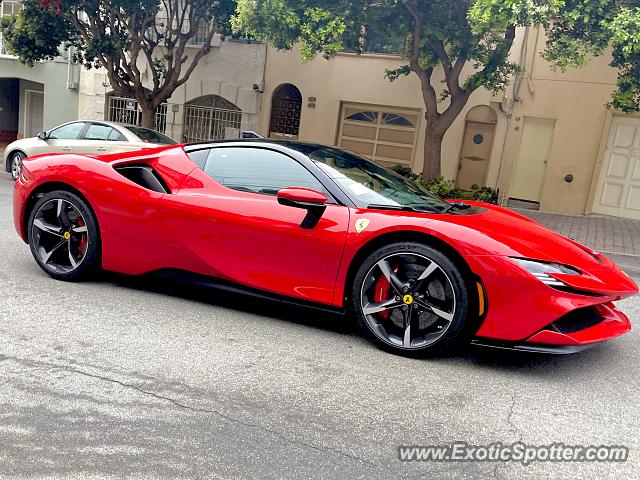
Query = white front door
x=618 y=190
x=34 y=114
x=533 y=155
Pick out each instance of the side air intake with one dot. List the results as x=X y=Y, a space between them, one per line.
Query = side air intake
x=145 y=176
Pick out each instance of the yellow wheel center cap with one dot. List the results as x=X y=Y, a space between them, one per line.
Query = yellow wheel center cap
x=407 y=299
x=67 y=235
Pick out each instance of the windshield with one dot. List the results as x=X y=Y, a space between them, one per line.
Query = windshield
x=368 y=184
x=151 y=136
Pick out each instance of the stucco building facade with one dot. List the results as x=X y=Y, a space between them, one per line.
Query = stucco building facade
x=347 y=101
x=565 y=149
x=220 y=99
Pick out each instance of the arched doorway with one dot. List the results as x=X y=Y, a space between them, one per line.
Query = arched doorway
x=475 y=154
x=286 y=104
x=210 y=117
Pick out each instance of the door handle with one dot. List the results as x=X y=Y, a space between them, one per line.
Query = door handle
x=102 y=149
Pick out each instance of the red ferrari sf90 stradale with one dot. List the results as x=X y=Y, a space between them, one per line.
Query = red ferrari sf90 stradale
x=319 y=225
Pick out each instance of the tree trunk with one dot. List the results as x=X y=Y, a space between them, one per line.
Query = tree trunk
x=148 y=115
x=432 y=153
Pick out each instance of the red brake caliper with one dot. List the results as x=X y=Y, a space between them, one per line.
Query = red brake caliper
x=381 y=290
x=83 y=243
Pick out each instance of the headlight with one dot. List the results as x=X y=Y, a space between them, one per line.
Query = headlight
x=542 y=270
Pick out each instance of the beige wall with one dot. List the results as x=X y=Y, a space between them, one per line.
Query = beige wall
x=576 y=100
x=360 y=79
x=229 y=70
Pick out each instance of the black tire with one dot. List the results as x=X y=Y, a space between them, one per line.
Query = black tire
x=81 y=246
x=14 y=164
x=445 y=284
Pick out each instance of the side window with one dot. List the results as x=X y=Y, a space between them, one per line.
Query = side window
x=97 y=131
x=67 y=132
x=199 y=157
x=257 y=170
x=116 y=136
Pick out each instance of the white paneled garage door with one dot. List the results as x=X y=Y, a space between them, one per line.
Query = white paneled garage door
x=618 y=190
x=385 y=135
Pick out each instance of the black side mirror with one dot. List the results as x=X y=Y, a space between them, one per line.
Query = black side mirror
x=312 y=201
x=43 y=136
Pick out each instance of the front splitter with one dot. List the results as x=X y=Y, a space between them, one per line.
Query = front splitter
x=532 y=347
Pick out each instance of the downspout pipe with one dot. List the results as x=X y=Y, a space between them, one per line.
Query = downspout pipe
x=506 y=107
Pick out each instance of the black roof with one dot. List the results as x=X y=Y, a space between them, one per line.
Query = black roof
x=300 y=146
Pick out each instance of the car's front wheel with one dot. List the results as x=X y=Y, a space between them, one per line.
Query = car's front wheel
x=63 y=236
x=15 y=164
x=411 y=299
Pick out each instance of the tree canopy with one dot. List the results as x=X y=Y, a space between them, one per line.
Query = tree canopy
x=148 y=47
x=578 y=29
x=469 y=40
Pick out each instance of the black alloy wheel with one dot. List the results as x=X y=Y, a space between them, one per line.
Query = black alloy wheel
x=63 y=236
x=411 y=299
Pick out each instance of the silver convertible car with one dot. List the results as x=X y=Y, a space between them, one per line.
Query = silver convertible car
x=85 y=137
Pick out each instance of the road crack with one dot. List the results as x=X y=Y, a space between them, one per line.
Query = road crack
x=514 y=428
x=229 y=418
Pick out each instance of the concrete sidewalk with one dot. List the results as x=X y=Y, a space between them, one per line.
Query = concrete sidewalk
x=618 y=238
x=602 y=233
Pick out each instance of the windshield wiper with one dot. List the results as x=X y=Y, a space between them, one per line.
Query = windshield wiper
x=451 y=206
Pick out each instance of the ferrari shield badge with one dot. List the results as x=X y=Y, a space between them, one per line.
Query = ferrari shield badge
x=362 y=224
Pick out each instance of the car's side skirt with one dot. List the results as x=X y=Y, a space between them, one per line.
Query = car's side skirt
x=188 y=278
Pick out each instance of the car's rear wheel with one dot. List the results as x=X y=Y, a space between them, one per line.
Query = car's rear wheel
x=15 y=164
x=63 y=236
x=411 y=299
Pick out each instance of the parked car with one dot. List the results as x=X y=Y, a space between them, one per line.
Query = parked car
x=84 y=137
x=311 y=224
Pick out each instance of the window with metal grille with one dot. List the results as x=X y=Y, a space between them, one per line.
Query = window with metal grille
x=8 y=8
x=210 y=117
x=286 y=105
x=127 y=110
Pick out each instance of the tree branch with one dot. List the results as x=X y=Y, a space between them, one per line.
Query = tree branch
x=206 y=48
x=428 y=92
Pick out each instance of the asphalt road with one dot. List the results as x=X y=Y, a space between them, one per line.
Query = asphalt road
x=125 y=379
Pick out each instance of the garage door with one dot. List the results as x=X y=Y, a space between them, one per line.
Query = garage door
x=618 y=190
x=386 y=135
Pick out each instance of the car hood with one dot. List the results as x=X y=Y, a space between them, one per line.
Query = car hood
x=516 y=235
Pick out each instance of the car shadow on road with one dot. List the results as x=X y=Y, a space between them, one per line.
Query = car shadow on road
x=199 y=290
x=527 y=363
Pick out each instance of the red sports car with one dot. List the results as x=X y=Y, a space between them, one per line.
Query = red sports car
x=319 y=225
